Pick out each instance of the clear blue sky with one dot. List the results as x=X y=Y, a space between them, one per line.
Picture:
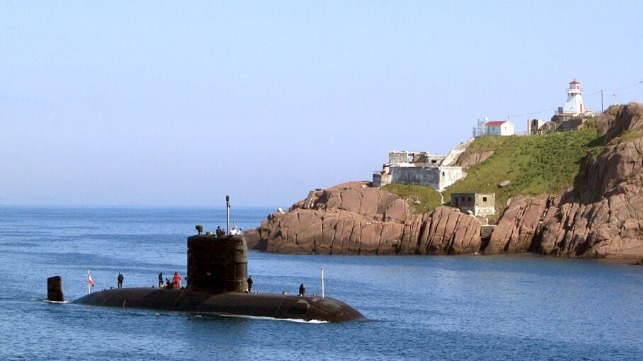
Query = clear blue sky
x=165 y=103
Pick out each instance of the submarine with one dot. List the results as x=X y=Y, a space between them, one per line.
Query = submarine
x=217 y=284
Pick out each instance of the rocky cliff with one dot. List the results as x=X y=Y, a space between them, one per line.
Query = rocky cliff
x=353 y=218
x=602 y=216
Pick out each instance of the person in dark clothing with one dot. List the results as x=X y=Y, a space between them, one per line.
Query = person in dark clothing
x=250 y=284
x=120 y=280
x=302 y=290
x=160 y=279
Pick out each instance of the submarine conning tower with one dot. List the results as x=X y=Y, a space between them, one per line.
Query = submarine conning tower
x=217 y=264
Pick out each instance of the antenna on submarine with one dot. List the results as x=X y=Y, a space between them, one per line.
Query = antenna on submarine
x=227 y=206
x=322 y=281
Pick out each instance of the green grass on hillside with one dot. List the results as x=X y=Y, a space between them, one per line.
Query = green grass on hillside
x=421 y=199
x=539 y=164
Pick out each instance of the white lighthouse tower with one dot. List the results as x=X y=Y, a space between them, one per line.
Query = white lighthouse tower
x=574 y=105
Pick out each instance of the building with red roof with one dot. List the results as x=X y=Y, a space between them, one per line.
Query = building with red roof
x=499 y=127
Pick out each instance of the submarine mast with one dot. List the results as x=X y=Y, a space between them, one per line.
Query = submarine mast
x=227 y=210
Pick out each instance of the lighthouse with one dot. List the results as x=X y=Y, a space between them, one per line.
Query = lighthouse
x=574 y=105
x=568 y=117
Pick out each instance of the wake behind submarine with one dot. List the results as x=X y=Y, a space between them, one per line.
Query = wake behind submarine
x=216 y=285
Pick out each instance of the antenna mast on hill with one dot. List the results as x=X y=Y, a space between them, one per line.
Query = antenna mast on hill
x=478 y=130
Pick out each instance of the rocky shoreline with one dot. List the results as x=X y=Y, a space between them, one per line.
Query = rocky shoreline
x=601 y=218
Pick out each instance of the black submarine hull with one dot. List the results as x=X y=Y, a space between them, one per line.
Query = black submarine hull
x=271 y=305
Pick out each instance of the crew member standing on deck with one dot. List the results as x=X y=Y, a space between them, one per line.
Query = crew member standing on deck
x=160 y=279
x=177 y=280
x=302 y=290
x=250 y=284
x=120 y=280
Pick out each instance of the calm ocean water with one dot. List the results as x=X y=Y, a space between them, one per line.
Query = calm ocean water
x=418 y=308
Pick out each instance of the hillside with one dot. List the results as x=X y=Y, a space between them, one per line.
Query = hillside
x=532 y=165
x=571 y=194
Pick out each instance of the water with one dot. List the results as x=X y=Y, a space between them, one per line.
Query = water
x=418 y=308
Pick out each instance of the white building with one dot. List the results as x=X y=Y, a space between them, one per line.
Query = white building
x=499 y=127
x=418 y=168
